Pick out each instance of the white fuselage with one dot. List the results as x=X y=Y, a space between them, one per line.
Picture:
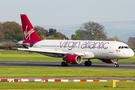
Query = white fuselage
x=91 y=49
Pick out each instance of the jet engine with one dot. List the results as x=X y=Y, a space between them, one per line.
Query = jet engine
x=73 y=59
x=107 y=60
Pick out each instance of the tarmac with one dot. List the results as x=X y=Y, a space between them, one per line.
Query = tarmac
x=95 y=65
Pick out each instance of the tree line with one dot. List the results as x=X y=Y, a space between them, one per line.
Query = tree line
x=88 y=31
x=13 y=31
x=92 y=31
x=10 y=30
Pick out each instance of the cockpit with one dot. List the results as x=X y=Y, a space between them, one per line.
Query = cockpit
x=123 y=47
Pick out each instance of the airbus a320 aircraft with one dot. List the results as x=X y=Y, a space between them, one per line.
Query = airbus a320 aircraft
x=73 y=51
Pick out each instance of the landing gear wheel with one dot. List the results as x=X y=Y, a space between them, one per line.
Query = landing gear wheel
x=64 y=64
x=116 y=65
x=88 y=63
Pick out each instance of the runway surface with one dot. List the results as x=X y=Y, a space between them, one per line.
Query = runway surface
x=95 y=65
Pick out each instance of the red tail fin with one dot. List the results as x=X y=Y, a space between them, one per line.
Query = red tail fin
x=29 y=32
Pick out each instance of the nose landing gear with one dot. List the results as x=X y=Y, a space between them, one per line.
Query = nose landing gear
x=116 y=65
x=115 y=61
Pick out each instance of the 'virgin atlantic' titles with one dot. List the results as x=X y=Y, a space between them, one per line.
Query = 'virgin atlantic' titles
x=83 y=45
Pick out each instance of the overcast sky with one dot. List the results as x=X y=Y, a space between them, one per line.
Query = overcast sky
x=67 y=12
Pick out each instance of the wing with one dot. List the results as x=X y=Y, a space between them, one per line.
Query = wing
x=51 y=51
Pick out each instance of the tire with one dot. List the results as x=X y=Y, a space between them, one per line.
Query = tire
x=64 y=64
x=88 y=63
x=116 y=65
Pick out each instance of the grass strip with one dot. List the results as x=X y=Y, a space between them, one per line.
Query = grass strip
x=66 y=85
x=62 y=72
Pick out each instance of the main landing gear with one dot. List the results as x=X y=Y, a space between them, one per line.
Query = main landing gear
x=64 y=64
x=88 y=63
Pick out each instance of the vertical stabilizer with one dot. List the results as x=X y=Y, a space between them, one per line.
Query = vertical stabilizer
x=29 y=32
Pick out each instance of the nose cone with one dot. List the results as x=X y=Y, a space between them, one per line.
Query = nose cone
x=131 y=53
x=126 y=54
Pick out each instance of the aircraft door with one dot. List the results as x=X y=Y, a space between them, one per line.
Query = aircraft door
x=111 y=49
x=103 y=53
x=111 y=52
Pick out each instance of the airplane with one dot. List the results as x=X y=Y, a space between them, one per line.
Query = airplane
x=73 y=51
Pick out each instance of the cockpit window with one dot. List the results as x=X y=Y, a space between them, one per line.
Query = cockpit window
x=119 y=47
x=123 y=47
x=126 y=47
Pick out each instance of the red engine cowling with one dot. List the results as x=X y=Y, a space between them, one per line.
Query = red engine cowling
x=107 y=60
x=73 y=59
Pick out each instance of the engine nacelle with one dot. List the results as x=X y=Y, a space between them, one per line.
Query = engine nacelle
x=107 y=60
x=73 y=59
